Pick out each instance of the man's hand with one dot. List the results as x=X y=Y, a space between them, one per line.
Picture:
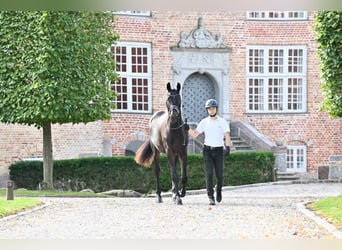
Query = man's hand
x=226 y=150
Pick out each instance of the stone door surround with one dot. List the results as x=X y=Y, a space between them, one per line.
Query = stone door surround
x=199 y=51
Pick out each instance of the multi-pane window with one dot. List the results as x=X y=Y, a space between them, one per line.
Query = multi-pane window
x=296 y=159
x=256 y=60
x=275 y=94
x=133 y=64
x=276 y=79
x=256 y=94
x=277 y=15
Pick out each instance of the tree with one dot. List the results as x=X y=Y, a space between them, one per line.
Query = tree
x=328 y=27
x=55 y=68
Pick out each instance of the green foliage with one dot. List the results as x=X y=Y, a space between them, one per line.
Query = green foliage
x=55 y=68
x=249 y=167
x=106 y=173
x=328 y=27
x=54 y=64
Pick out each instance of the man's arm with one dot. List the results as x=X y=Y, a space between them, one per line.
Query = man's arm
x=193 y=133
x=228 y=142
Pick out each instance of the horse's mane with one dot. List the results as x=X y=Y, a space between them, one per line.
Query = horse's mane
x=157 y=114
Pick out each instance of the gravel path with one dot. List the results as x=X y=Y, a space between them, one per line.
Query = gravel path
x=248 y=212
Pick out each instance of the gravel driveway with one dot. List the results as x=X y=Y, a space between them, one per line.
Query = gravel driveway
x=265 y=211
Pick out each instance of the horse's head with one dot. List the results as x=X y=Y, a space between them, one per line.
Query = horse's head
x=174 y=102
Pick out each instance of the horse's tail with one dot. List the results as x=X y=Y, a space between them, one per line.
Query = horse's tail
x=145 y=154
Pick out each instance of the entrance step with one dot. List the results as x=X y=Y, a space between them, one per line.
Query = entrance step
x=240 y=145
x=287 y=176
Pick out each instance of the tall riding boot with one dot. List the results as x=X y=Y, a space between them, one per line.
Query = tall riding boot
x=211 y=198
x=211 y=201
x=218 y=193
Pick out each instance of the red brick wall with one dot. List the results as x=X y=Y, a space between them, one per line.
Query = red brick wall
x=18 y=142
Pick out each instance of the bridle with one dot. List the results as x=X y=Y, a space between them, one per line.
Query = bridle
x=174 y=107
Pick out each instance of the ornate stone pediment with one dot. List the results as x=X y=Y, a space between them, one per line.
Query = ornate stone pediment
x=200 y=38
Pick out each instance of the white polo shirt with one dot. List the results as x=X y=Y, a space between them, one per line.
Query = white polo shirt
x=214 y=130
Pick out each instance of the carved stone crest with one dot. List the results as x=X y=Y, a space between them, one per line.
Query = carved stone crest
x=200 y=38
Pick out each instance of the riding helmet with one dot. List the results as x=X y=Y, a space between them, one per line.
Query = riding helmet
x=211 y=103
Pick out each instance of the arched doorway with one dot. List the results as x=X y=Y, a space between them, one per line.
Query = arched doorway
x=201 y=65
x=197 y=89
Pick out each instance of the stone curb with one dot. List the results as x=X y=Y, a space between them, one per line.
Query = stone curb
x=313 y=216
x=27 y=211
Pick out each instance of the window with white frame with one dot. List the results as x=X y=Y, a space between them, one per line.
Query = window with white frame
x=296 y=159
x=276 y=79
x=134 y=88
x=277 y=15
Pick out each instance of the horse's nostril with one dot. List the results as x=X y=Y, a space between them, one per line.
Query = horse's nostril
x=174 y=112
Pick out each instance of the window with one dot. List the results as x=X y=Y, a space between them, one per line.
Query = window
x=296 y=159
x=276 y=79
x=277 y=15
x=133 y=64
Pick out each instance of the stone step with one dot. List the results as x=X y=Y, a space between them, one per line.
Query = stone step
x=287 y=176
x=240 y=145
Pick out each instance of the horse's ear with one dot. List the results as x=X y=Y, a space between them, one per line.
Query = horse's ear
x=169 y=87
x=178 y=87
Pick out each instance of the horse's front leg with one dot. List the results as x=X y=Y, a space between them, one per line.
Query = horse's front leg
x=184 y=173
x=157 y=174
x=173 y=165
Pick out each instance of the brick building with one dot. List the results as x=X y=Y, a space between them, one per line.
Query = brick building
x=261 y=67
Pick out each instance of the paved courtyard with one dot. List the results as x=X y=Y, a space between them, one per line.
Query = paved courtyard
x=265 y=211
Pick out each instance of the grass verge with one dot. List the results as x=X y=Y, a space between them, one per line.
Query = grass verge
x=51 y=193
x=330 y=209
x=9 y=207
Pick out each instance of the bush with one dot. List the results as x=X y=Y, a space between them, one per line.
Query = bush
x=106 y=173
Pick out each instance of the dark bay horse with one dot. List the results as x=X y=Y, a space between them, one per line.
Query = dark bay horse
x=168 y=135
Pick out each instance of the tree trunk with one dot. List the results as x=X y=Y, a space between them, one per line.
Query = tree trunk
x=48 y=158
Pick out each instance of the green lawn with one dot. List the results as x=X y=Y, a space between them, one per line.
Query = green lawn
x=24 y=199
x=8 y=207
x=41 y=193
x=330 y=209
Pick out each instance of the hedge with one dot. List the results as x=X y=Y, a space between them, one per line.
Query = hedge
x=106 y=173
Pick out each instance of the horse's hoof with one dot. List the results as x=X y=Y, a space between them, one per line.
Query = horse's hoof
x=177 y=200
x=183 y=193
x=159 y=199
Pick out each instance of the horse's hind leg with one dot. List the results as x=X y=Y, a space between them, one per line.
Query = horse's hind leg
x=157 y=174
